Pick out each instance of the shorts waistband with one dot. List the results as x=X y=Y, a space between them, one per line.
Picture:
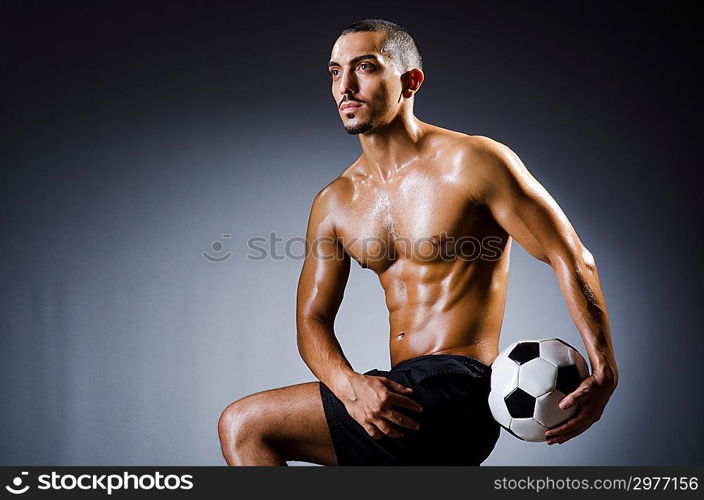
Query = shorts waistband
x=465 y=360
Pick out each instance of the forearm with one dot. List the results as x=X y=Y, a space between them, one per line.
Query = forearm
x=323 y=354
x=579 y=282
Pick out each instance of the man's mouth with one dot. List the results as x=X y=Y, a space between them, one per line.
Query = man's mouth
x=351 y=105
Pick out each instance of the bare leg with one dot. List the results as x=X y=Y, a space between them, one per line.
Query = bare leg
x=271 y=427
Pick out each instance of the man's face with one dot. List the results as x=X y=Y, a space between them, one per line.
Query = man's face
x=366 y=84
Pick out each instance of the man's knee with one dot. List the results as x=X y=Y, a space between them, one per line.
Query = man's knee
x=241 y=422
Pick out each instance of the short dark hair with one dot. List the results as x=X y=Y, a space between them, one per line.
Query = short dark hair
x=398 y=43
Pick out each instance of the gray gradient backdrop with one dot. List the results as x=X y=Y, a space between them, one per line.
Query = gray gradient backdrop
x=135 y=135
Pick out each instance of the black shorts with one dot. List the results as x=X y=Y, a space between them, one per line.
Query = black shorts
x=456 y=426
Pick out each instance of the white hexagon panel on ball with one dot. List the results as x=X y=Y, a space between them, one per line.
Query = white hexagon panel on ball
x=537 y=377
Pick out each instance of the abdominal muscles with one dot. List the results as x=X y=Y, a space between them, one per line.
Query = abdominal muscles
x=449 y=307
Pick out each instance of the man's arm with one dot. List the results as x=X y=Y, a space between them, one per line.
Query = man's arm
x=532 y=217
x=320 y=291
x=370 y=400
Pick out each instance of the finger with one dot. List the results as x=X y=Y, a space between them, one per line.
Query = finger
x=373 y=431
x=388 y=429
x=567 y=436
x=567 y=426
x=577 y=427
x=576 y=397
x=396 y=387
x=403 y=402
x=402 y=420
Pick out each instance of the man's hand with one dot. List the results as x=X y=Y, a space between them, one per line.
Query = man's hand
x=374 y=403
x=590 y=398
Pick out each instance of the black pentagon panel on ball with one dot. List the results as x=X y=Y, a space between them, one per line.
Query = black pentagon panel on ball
x=568 y=379
x=520 y=404
x=524 y=352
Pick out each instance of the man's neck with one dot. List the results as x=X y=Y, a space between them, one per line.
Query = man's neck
x=388 y=149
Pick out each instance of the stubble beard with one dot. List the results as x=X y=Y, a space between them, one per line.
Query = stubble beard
x=359 y=128
x=366 y=126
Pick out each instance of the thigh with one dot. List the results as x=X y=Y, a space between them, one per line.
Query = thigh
x=292 y=420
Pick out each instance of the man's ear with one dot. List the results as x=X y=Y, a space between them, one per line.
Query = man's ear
x=412 y=81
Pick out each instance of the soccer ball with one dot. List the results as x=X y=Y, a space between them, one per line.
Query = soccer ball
x=528 y=380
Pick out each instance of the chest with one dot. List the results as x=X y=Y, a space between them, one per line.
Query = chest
x=417 y=218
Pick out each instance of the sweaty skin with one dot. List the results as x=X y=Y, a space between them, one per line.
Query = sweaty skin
x=440 y=256
x=433 y=213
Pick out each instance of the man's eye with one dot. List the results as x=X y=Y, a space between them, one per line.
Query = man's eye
x=365 y=66
x=334 y=72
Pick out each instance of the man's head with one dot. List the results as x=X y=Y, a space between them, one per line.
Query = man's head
x=376 y=68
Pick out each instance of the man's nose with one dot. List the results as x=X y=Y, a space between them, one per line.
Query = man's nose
x=347 y=83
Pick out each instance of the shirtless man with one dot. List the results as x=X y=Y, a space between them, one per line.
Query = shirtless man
x=406 y=209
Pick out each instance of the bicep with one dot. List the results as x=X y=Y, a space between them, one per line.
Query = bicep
x=524 y=208
x=325 y=269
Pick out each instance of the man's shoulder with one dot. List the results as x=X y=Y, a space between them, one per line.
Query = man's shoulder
x=465 y=148
x=484 y=156
x=472 y=146
x=478 y=162
x=335 y=193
